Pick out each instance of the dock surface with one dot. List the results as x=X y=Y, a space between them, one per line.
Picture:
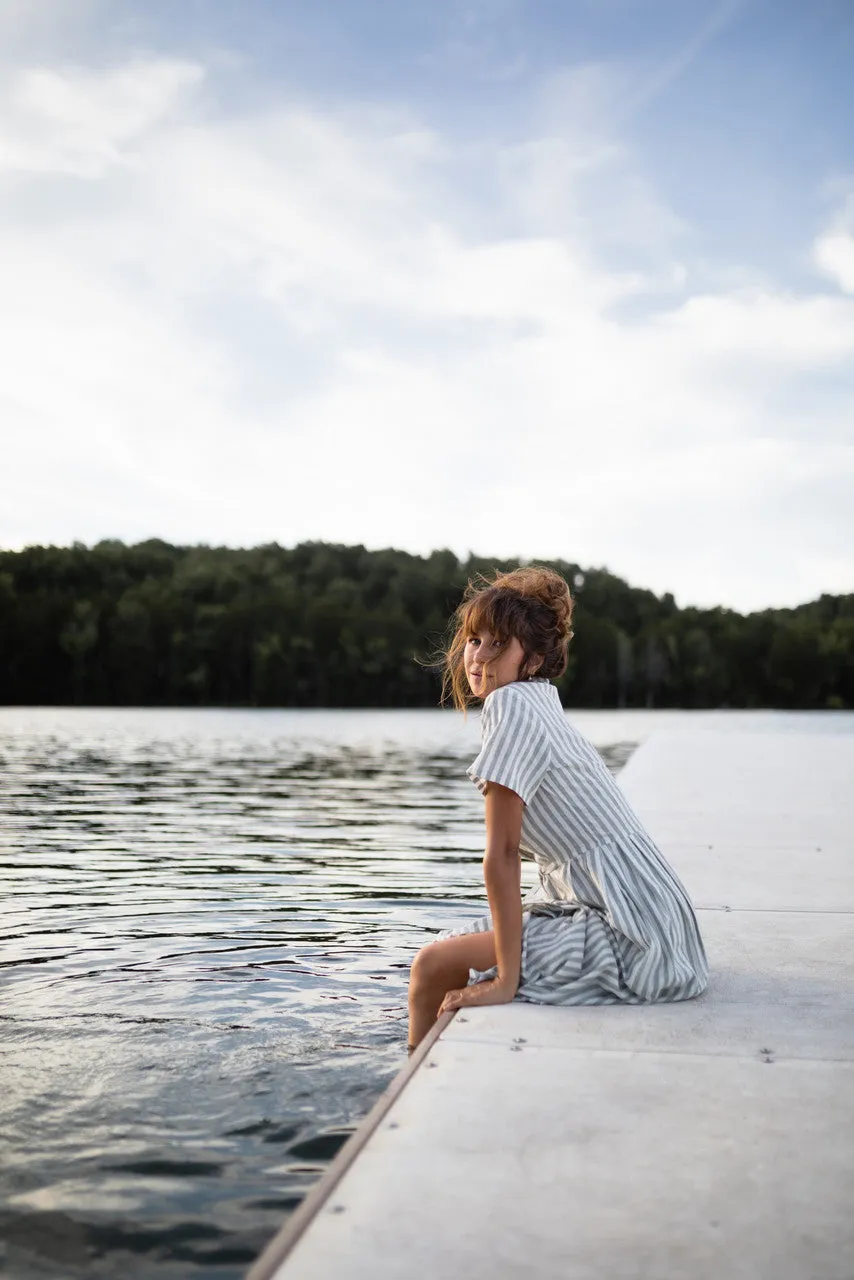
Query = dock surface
x=709 y=1138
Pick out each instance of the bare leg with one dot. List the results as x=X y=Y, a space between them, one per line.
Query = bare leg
x=441 y=967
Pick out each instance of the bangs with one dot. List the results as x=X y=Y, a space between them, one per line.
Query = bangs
x=495 y=611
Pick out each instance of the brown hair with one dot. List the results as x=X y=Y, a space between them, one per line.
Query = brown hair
x=532 y=604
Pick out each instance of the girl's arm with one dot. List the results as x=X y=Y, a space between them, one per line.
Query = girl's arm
x=502 y=872
x=502 y=876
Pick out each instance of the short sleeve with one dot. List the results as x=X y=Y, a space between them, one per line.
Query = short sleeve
x=515 y=749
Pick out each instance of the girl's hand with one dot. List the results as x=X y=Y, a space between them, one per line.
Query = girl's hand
x=491 y=992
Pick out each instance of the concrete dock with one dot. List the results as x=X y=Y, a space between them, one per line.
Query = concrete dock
x=697 y=1140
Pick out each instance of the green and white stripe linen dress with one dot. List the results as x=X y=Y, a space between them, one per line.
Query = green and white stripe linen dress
x=610 y=921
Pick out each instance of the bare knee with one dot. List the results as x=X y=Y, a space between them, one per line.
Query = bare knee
x=437 y=968
x=426 y=971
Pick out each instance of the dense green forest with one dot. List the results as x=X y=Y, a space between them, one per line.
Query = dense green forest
x=327 y=625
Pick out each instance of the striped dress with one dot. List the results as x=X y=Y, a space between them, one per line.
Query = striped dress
x=610 y=921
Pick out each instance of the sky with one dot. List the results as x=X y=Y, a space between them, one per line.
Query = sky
x=530 y=280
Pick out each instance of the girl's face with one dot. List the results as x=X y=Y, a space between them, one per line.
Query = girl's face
x=490 y=663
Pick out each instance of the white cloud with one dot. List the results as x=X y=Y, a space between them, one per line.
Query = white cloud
x=833 y=252
x=294 y=323
x=79 y=122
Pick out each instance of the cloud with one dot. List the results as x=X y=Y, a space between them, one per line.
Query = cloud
x=79 y=122
x=833 y=252
x=291 y=322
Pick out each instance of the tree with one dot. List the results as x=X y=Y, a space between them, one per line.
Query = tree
x=322 y=624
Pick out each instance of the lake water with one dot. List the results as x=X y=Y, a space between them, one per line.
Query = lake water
x=207 y=924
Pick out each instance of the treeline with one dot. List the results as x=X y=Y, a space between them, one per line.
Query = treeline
x=326 y=625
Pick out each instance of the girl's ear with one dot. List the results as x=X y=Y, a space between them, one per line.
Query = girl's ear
x=532 y=665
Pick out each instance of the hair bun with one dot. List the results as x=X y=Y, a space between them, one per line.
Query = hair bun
x=546 y=586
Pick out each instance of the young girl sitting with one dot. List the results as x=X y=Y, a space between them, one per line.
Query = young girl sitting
x=610 y=922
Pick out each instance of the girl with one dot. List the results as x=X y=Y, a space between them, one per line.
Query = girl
x=610 y=922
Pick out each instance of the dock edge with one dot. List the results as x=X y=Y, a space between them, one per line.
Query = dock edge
x=271 y=1258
